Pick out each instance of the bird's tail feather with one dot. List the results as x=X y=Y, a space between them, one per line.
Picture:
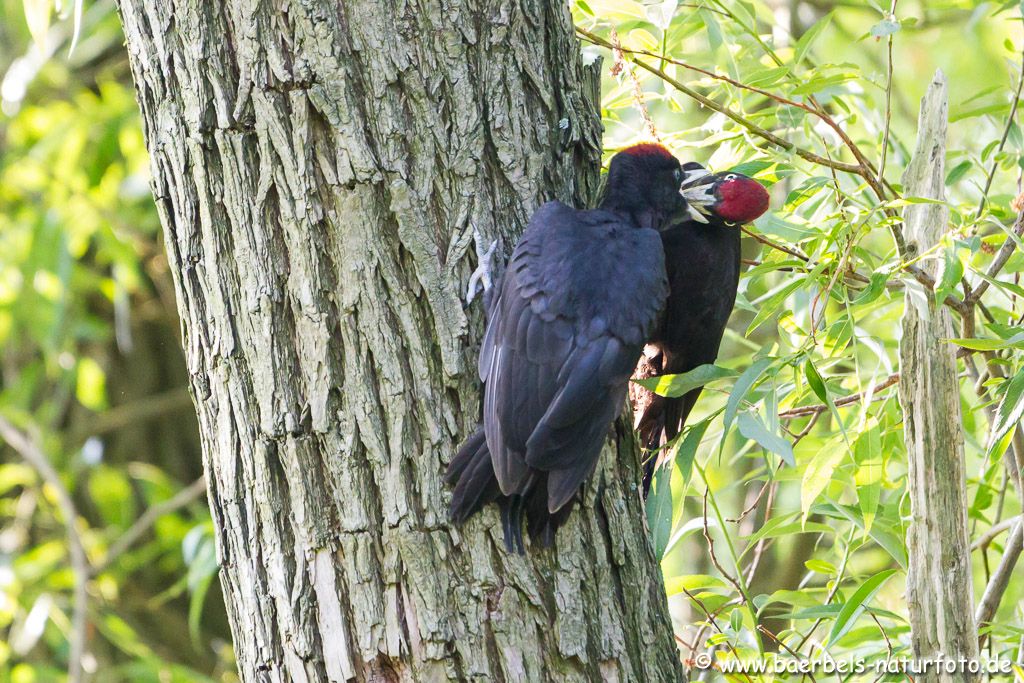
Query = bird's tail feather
x=472 y=474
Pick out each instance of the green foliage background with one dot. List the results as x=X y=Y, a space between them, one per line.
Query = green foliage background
x=91 y=368
x=806 y=515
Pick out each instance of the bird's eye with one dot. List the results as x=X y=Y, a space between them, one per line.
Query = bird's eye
x=678 y=175
x=730 y=176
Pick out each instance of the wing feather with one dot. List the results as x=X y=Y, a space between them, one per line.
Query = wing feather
x=581 y=292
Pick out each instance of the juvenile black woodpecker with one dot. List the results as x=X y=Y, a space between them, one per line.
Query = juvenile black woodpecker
x=702 y=259
x=581 y=295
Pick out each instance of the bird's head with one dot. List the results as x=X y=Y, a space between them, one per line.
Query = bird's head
x=730 y=198
x=645 y=179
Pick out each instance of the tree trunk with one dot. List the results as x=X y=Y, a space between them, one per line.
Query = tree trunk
x=317 y=167
x=939 y=596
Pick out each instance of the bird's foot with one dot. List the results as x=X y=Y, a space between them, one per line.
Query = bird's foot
x=481 y=278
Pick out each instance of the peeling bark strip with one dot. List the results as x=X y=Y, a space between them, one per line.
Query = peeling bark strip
x=939 y=594
x=317 y=166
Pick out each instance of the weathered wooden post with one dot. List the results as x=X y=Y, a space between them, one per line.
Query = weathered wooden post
x=939 y=575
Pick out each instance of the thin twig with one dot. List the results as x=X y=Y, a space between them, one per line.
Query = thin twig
x=864 y=170
x=726 y=111
x=888 y=101
x=986 y=538
x=762 y=543
x=182 y=498
x=1001 y=577
x=36 y=459
x=785 y=647
x=1002 y=141
x=711 y=552
x=1001 y=257
x=775 y=245
x=803 y=411
x=888 y=643
x=714 y=625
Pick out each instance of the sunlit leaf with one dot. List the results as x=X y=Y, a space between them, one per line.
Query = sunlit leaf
x=855 y=606
x=1011 y=407
x=680 y=385
x=867 y=451
x=819 y=473
x=809 y=37
x=91 y=385
x=742 y=386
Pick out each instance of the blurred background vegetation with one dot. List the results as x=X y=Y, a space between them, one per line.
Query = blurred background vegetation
x=807 y=511
x=92 y=369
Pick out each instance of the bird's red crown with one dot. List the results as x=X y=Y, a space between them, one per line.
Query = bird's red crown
x=742 y=200
x=647 y=150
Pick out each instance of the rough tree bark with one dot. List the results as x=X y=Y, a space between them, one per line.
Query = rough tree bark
x=317 y=166
x=939 y=596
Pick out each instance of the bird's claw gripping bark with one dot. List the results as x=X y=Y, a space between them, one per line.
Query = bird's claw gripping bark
x=481 y=277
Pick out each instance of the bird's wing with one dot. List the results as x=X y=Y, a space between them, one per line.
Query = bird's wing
x=579 y=296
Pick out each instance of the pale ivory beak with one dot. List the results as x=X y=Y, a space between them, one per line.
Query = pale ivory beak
x=698 y=189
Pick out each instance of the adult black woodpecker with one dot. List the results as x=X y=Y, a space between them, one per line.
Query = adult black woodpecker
x=580 y=297
x=702 y=259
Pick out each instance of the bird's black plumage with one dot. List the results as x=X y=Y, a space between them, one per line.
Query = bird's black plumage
x=580 y=296
x=703 y=264
x=702 y=260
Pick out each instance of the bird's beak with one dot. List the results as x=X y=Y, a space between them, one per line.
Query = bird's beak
x=698 y=189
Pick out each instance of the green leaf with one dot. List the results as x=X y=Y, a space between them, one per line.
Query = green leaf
x=891 y=540
x=659 y=509
x=736 y=620
x=819 y=473
x=90 y=388
x=867 y=451
x=674 y=386
x=195 y=607
x=821 y=83
x=112 y=494
x=808 y=38
x=715 y=38
x=772 y=225
x=957 y=172
x=1011 y=408
x=996 y=109
x=855 y=606
x=695 y=583
x=821 y=567
x=790 y=529
x=821 y=391
x=687 y=450
x=952 y=272
x=740 y=389
x=874 y=288
x=985 y=344
x=817 y=383
x=751 y=427
x=769 y=307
